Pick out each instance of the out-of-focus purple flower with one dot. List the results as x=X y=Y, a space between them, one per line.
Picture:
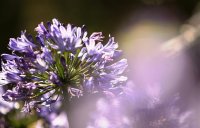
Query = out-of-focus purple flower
x=109 y=114
x=62 y=60
x=54 y=116
x=5 y=107
x=59 y=120
x=142 y=107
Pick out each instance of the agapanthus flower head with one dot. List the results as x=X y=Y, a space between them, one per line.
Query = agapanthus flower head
x=61 y=60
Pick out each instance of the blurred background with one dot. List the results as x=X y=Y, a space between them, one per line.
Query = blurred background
x=109 y=16
x=160 y=39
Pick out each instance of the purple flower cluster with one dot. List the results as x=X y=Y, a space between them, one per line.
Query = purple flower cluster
x=61 y=60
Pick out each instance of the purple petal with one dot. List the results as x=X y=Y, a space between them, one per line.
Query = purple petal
x=9 y=57
x=13 y=77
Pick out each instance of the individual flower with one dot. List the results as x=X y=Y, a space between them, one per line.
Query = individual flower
x=61 y=62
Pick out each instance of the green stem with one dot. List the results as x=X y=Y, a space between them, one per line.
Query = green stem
x=66 y=105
